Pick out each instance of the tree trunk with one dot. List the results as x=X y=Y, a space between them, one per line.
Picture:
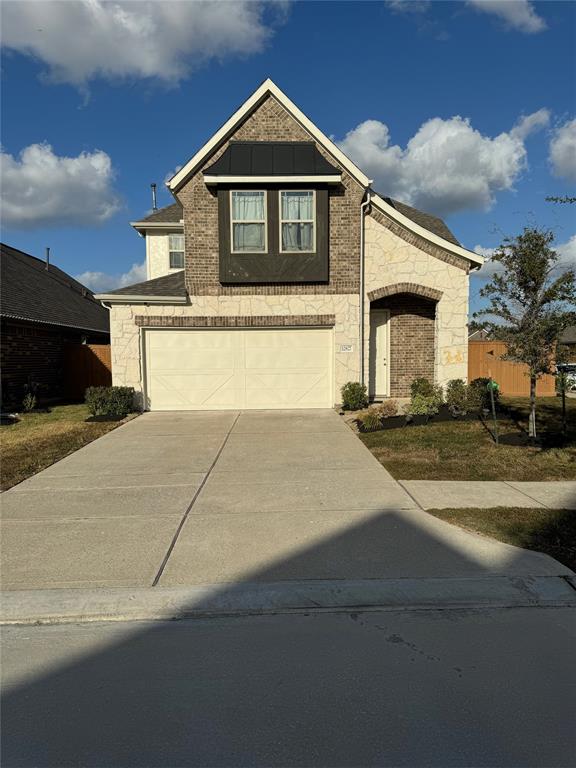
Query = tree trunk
x=532 y=417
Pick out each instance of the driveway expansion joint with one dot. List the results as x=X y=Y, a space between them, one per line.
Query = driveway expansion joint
x=194 y=498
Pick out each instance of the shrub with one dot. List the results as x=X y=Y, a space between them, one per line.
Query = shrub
x=388 y=409
x=370 y=420
x=421 y=386
x=457 y=396
x=110 y=401
x=354 y=396
x=425 y=404
x=478 y=395
x=29 y=402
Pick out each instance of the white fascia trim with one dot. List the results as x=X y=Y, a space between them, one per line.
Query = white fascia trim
x=267 y=87
x=328 y=179
x=157 y=224
x=116 y=298
x=457 y=250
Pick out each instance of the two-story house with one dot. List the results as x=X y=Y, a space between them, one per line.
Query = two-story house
x=278 y=275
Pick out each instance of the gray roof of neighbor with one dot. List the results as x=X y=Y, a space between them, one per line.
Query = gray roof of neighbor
x=271 y=158
x=29 y=291
x=427 y=220
x=568 y=335
x=171 y=214
x=167 y=285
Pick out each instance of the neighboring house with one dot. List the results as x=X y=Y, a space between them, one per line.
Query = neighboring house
x=480 y=334
x=41 y=310
x=297 y=278
x=568 y=340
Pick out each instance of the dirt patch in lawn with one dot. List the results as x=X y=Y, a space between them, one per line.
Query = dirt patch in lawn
x=461 y=450
x=552 y=531
x=38 y=440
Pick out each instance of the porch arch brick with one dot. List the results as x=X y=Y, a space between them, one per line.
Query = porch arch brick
x=412 y=311
x=414 y=288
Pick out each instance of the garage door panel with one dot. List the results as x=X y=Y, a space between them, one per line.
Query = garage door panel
x=223 y=368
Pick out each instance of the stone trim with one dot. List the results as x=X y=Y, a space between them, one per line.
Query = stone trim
x=412 y=288
x=420 y=242
x=234 y=321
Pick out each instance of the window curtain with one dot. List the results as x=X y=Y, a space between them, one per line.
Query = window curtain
x=248 y=206
x=297 y=207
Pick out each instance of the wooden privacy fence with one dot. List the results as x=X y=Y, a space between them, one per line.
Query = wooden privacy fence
x=86 y=365
x=484 y=359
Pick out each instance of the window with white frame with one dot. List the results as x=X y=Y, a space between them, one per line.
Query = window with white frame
x=176 y=248
x=297 y=221
x=248 y=221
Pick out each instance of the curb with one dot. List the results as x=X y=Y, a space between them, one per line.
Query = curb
x=65 y=606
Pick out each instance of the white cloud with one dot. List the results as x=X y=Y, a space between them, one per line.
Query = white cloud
x=408 y=6
x=566 y=252
x=102 y=281
x=563 y=151
x=447 y=165
x=518 y=14
x=40 y=188
x=163 y=39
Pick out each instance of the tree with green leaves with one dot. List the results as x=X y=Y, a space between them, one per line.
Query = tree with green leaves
x=531 y=301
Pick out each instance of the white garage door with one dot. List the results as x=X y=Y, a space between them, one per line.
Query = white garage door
x=219 y=369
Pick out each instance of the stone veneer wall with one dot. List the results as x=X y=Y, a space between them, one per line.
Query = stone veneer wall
x=395 y=256
x=341 y=310
x=269 y=122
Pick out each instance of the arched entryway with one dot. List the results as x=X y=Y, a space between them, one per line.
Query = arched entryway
x=402 y=338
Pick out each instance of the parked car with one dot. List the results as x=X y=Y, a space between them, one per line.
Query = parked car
x=569 y=371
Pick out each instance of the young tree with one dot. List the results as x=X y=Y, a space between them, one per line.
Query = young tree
x=531 y=303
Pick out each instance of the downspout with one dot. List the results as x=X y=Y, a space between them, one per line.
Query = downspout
x=364 y=207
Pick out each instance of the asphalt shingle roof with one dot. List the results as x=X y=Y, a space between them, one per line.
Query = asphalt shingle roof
x=568 y=335
x=167 y=285
x=171 y=214
x=427 y=220
x=29 y=291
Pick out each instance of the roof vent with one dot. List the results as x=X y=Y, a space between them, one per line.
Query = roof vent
x=154 y=204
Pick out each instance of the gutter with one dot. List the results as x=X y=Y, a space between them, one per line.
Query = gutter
x=364 y=207
x=116 y=298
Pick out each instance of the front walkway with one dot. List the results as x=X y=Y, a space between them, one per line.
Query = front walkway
x=180 y=499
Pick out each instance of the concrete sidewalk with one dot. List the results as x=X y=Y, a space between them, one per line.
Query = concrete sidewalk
x=466 y=494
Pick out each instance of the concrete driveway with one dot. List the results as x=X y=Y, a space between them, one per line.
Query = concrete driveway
x=259 y=496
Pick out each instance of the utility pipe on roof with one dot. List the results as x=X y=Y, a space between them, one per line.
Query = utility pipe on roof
x=364 y=208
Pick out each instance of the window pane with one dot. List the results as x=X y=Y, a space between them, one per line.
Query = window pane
x=247 y=206
x=248 y=237
x=298 y=237
x=176 y=260
x=176 y=242
x=297 y=206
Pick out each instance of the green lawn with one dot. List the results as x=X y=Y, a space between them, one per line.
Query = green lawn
x=466 y=451
x=40 y=439
x=552 y=531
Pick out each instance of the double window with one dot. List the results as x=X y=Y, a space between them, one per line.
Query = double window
x=296 y=221
x=176 y=248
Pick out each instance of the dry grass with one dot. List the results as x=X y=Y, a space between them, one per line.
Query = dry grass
x=466 y=451
x=40 y=439
x=552 y=531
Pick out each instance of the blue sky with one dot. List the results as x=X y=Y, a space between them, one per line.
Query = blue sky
x=466 y=109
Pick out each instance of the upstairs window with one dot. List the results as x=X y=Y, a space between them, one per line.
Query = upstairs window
x=176 y=247
x=248 y=221
x=297 y=221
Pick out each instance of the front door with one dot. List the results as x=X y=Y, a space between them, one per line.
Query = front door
x=379 y=353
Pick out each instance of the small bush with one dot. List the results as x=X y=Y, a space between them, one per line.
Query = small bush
x=457 y=396
x=426 y=402
x=370 y=420
x=354 y=396
x=478 y=396
x=388 y=409
x=29 y=402
x=421 y=386
x=110 y=401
